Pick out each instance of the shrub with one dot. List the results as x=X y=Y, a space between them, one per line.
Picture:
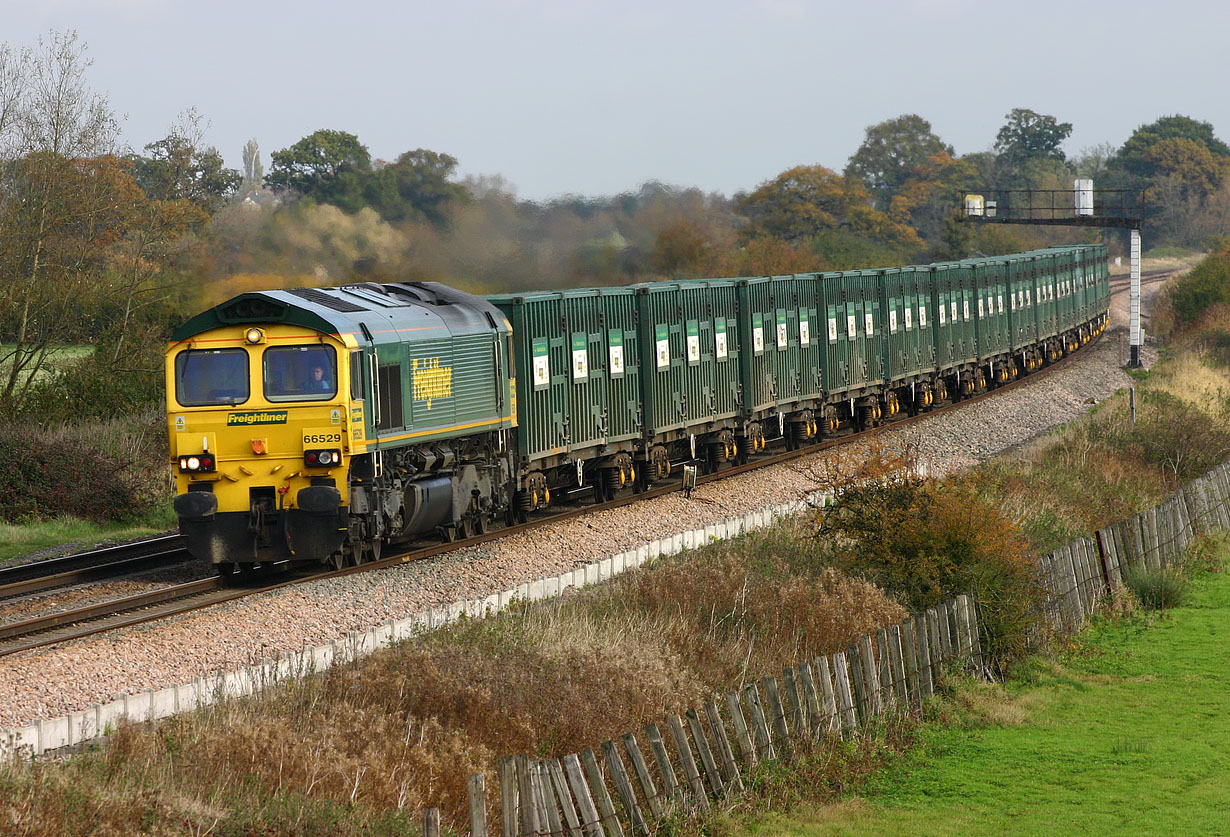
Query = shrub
x=1206 y=285
x=925 y=542
x=1157 y=589
x=1174 y=434
x=102 y=471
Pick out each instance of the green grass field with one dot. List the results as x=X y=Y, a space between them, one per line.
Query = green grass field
x=1128 y=734
x=22 y=543
x=56 y=357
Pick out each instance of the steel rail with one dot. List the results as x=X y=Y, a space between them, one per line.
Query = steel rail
x=151 y=549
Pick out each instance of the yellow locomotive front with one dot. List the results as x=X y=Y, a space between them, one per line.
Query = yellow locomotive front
x=262 y=426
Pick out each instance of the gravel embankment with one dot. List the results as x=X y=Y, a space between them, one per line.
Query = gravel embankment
x=64 y=678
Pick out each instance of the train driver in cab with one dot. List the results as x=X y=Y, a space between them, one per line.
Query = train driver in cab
x=317 y=380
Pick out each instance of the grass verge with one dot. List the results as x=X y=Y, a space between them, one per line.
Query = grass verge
x=363 y=748
x=21 y=543
x=1124 y=734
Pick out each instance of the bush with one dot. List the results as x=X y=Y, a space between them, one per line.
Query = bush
x=1179 y=437
x=1157 y=589
x=101 y=472
x=1206 y=285
x=925 y=542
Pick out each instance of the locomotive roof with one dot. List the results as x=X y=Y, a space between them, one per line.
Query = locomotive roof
x=361 y=309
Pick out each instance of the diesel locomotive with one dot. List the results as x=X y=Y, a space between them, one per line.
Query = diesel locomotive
x=319 y=424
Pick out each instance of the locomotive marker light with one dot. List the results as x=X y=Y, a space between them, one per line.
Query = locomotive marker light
x=322 y=458
x=254 y=336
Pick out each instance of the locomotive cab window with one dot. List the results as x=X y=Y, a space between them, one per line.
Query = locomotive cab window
x=212 y=377
x=300 y=373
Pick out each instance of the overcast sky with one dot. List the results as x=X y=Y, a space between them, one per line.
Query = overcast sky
x=595 y=97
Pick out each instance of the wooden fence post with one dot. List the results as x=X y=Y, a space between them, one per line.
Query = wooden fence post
x=816 y=722
x=478 y=805
x=764 y=741
x=971 y=618
x=884 y=669
x=909 y=650
x=559 y=784
x=871 y=677
x=716 y=786
x=727 y=756
x=624 y=788
x=431 y=822
x=828 y=696
x=926 y=686
x=545 y=797
x=652 y=799
x=794 y=703
x=937 y=647
x=508 y=796
x=777 y=715
x=862 y=703
x=841 y=676
x=688 y=763
x=742 y=736
x=665 y=769
x=592 y=815
x=896 y=659
x=525 y=797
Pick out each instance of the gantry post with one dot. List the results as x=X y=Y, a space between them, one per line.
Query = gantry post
x=1135 y=334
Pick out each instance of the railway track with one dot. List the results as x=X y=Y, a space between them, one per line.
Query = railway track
x=1122 y=282
x=94 y=565
x=184 y=598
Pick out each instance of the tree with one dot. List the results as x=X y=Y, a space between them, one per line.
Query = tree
x=416 y=187
x=253 y=168
x=178 y=167
x=1094 y=160
x=1028 y=135
x=312 y=166
x=805 y=201
x=1134 y=159
x=57 y=208
x=933 y=192
x=681 y=249
x=1189 y=161
x=890 y=152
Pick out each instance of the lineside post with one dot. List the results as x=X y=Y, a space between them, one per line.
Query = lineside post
x=1136 y=335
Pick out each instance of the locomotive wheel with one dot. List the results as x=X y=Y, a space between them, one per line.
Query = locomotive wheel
x=338 y=559
x=373 y=549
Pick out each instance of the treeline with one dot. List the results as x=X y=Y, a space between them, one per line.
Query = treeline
x=106 y=246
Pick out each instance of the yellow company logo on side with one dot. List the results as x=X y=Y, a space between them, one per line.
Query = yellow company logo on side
x=431 y=380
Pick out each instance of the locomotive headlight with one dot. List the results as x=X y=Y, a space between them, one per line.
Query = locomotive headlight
x=193 y=463
x=325 y=457
x=254 y=336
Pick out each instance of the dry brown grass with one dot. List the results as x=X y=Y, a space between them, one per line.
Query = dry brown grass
x=365 y=747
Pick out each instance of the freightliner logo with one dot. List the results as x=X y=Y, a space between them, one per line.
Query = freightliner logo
x=264 y=417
